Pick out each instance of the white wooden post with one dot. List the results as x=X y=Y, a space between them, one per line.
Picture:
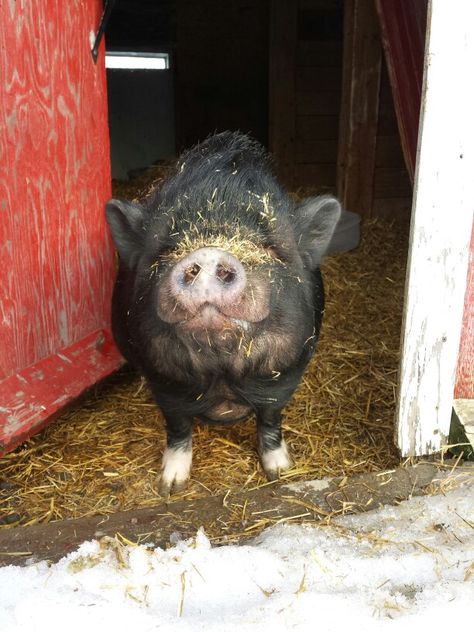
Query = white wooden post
x=442 y=215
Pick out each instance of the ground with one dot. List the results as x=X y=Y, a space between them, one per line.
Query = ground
x=397 y=568
x=103 y=454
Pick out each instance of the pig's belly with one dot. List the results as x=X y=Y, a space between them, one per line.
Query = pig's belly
x=227 y=411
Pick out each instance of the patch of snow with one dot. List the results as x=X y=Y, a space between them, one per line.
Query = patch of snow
x=394 y=569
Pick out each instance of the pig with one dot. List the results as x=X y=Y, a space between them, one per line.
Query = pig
x=219 y=298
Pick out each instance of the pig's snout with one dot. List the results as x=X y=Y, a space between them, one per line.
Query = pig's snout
x=210 y=290
x=208 y=275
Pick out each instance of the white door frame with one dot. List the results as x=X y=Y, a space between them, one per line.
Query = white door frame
x=442 y=216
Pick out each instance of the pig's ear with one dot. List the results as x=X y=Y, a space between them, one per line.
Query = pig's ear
x=316 y=219
x=126 y=225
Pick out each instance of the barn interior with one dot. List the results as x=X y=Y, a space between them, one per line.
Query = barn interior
x=276 y=70
x=234 y=65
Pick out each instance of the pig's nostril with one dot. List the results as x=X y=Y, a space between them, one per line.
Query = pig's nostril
x=225 y=274
x=191 y=273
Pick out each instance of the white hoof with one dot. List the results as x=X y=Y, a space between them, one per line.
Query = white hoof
x=176 y=468
x=275 y=461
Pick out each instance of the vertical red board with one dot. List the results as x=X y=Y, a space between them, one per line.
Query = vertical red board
x=465 y=371
x=56 y=257
x=403 y=26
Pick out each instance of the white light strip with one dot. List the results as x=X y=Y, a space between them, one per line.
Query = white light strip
x=137 y=62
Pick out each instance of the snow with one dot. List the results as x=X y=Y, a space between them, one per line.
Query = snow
x=394 y=569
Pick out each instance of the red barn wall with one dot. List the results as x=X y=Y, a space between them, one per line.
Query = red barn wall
x=465 y=369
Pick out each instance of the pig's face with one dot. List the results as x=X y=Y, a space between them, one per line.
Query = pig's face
x=230 y=275
x=222 y=280
x=227 y=275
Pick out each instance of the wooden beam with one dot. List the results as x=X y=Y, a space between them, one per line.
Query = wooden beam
x=442 y=216
x=283 y=40
x=359 y=106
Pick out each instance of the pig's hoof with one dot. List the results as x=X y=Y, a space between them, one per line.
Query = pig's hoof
x=275 y=461
x=176 y=467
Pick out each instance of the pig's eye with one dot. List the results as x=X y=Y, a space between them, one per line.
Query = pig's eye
x=166 y=251
x=273 y=252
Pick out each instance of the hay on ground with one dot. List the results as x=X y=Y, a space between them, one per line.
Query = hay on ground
x=103 y=454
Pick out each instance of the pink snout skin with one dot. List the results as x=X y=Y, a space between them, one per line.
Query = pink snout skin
x=208 y=275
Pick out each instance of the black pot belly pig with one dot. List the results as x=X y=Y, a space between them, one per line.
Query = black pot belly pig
x=219 y=296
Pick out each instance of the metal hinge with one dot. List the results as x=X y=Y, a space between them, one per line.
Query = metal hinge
x=108 y=6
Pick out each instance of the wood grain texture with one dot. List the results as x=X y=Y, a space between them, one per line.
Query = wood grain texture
x=465 y=371
x=391 y=182
x=328 y=78
x=319 y=55
x=359 y=107
x=317 y=127
x=316 y=151
x=220 y=68
x=388 y=153
x=283 y=39
x=392 y=185
x=316 y=102
x=56 y=255
x=441 y=231
x=32 y=397
x=403 y=26
x=316 y=176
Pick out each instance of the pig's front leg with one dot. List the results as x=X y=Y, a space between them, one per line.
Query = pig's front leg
x=271 y=445
x=178 y=454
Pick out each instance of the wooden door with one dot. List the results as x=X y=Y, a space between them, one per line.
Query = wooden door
x=57 y=260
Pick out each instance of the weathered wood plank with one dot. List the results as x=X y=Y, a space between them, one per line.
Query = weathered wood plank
x=56 y=255
x=319 y=5
x=316 y=151
x=388 y=153
x=387 y=123
x=398 y=209
x=325 y=79
x=359 y=106
x=403 y=37
x=465 y=369
x=310 y=501
x=220 y=68
x=391 y=182
x=440 y=232
x=317 y=127
x=316 y=176
x=283 y=37
x=317 y=103
x=55 y=250
x=319 y=54
x=33 y=396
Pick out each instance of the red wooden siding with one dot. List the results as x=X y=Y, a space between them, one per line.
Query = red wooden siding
x=465 y=372
x=57 y=261
x=403 y=26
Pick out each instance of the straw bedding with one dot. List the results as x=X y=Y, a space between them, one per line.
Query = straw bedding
x=103 y=454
